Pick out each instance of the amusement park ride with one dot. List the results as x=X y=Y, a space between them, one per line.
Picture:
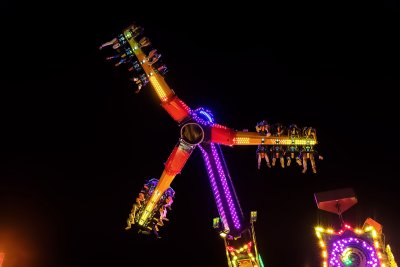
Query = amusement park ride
x=356 y=247
x=198 y=128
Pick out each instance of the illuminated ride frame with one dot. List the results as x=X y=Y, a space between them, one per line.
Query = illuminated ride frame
x=348 y=246
x=199 y=129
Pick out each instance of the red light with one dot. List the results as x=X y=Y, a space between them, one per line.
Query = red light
x=2 y=255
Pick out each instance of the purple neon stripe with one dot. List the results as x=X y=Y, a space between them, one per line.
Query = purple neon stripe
x=215 y=188
x=221 y=173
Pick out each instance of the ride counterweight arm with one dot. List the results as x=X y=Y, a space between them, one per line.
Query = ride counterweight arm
x=173 y=166
x=175 y=107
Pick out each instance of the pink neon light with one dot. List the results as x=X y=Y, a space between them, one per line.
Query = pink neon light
x=226 y=188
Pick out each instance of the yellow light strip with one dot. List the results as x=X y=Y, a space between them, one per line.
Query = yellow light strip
x=253 y=138
x=324 y=253
x=241 y=140
x=392 y=262
x=163 y=184
x=369 y=228
x=287 y=141
x=159 y=90
x=149 y=208
x=358 y=231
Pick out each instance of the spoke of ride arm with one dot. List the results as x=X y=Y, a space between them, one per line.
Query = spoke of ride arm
x=169 y=101
x=173 y=166
x=225 y=136
x=254 y=138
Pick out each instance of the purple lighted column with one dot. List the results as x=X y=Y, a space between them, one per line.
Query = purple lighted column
x=222 y=187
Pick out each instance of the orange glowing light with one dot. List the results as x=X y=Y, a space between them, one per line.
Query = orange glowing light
x=2 y=255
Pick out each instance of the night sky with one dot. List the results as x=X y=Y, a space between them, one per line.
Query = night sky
x=78 y=143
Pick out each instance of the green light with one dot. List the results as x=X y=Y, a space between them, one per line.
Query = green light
x=260 y=260
x=216 y=222
x=347 y=262
x=346 y=257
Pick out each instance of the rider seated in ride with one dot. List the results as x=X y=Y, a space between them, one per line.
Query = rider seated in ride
x=115 y=42
x=140 y=200
x=293 y=150
x=277 y=150
x=263 y=128
x=262 y=153
x=308 y=151
x=168 y=202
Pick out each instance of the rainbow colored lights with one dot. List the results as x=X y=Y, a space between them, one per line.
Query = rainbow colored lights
x=352 y=251
x=345 y=256
x=243 y=255
x=352 y=247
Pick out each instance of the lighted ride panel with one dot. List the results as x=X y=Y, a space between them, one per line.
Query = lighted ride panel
x=348 y=247
x=241 y=251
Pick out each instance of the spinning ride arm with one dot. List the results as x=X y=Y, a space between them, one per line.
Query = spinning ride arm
x=173 y=166
x=192 y=134
x=175 y=107
x=226 y=136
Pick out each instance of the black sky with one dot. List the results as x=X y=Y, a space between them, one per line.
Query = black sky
x=78 y=143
